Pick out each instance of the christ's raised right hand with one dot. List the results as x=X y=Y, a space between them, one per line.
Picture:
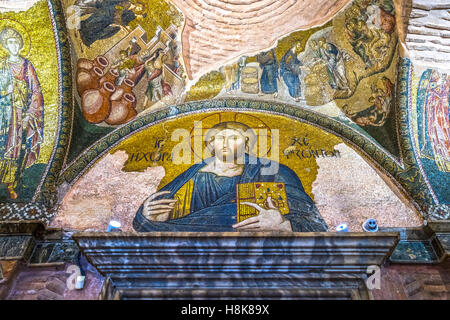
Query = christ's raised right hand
x=158 y=210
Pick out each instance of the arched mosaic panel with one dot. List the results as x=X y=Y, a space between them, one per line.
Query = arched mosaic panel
x=36 y=108
x=312 y=174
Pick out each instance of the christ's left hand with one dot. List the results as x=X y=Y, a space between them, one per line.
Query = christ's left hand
x=267 y=220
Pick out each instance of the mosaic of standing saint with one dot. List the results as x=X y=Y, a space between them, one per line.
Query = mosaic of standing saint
x=21 y=112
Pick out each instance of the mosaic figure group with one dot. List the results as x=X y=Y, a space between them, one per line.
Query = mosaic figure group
x=369 y=26
x=290 y=71
x=127 y=63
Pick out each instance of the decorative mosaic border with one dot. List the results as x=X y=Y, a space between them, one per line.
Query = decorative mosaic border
x=410 y=67
x=403 y=175
x=413 y=175
x=25 y=211
x=48 y=192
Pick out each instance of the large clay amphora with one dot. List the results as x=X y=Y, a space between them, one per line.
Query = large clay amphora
x=85 y=64
x=118 y=94
x=120 y=109
x=96 y=104
x=101 y=62
x=126 y=87
x=88 y=79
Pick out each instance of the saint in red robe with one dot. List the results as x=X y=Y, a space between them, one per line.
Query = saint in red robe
x=21 y=119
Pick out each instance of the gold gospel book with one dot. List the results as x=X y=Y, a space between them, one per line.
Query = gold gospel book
x=257 y=192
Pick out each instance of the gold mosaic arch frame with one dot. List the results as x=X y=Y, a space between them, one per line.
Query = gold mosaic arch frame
x=48 y=187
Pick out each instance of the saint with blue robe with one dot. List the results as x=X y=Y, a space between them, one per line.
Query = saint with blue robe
x=207 y=202
x=290 y=71
x=269 y=65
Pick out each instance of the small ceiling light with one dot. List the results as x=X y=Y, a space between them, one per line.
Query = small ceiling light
x=370 y=225
x=113 y=226
x=343 y=227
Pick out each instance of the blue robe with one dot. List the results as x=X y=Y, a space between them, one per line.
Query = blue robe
x=291 y=73
x=213 y=202
x=269 y=65
x=99 y=25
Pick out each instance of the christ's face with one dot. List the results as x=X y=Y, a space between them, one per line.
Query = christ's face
x=229 y=145
x=13 y=46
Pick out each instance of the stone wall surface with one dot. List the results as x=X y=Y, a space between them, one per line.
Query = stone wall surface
x=50 y=283
x=428 y=32
x=246 y=27
x=410 y=282
x=398 y=282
